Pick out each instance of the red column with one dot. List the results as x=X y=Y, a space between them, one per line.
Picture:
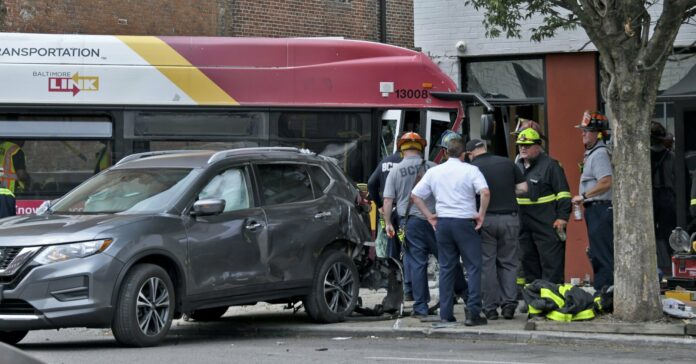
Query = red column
x=571 y=88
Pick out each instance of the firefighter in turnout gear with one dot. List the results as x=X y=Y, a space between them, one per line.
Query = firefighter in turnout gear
x=544 y=211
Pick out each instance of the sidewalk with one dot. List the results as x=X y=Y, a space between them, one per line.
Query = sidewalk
x=274 y=320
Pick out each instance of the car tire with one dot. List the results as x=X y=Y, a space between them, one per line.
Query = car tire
x=208 y=314
x=145 y=308
x=12 y=337
x=334 y=291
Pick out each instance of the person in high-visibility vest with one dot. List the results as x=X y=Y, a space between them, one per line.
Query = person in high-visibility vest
x=13 y=175
x=544 y=211
x=103 y=158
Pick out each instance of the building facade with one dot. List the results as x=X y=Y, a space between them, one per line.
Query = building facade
x=352 y=19
x=552 y=82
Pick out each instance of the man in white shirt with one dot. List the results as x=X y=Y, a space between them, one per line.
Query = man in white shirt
x=455 y=184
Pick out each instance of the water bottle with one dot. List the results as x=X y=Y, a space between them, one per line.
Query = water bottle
x=577 y=212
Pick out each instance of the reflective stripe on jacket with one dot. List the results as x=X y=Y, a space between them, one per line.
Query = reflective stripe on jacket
x=559 y=302
x=6 y=192
x=548 y=196
x=8 y=175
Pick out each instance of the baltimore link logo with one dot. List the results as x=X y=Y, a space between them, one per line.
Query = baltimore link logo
x=74 y=84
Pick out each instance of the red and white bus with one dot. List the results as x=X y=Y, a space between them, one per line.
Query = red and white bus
x=81 y=102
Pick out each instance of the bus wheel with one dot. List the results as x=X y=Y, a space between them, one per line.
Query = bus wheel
x=335 y=288
x=145 y=308
x=12 y=337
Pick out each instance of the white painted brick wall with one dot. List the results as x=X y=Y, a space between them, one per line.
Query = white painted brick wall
x=440 y=24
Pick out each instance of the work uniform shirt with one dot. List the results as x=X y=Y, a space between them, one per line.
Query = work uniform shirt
x=455 y=185
x=596 y=165
x=378 y=178
x=548 y=194
x=401 y=181
x=501 y=175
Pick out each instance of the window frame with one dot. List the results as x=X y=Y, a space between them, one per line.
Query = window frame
x=259 y=182
x=208 y=177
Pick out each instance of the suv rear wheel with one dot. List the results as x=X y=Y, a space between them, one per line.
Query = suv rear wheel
x=145 y=307
x=208 y=314
x=335 y=287
x=12 y=337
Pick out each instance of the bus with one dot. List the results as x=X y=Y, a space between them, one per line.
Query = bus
x=79 y=103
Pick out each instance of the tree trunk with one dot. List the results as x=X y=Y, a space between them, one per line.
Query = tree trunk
x=636 y=286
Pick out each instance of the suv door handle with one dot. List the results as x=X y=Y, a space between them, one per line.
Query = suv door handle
x=253 y=225
x=322 y=215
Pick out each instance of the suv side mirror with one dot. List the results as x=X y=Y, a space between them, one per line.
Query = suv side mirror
x=211 y=206
x=487 y=124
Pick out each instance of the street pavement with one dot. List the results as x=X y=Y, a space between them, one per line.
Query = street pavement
x=265 y=320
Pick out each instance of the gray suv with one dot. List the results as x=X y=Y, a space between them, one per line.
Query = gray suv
x=164 y=234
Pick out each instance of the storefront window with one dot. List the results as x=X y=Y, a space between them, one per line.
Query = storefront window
x=505 y=79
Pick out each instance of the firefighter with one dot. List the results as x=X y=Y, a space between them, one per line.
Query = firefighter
x=13 y=175
x=595 y=196
x=420 y=238
x=544 y=211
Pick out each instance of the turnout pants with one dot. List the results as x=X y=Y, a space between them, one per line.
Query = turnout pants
x=600 y=230
x=457 y=238
x=499 y=235
x=543 y=253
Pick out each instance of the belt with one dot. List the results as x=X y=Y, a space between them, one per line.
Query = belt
x=596 y=202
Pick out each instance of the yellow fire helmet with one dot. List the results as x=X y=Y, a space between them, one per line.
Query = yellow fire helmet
x=528 y=136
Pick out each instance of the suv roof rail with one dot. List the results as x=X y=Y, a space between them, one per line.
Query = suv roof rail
x=135 y=156
x=229 y=152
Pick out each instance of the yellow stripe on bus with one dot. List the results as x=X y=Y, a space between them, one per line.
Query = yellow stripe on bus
x=178 y=70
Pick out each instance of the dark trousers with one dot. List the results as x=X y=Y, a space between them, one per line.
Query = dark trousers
x=7 y=206
x=499 y=235
x=543 y=253
x=457 y=238
x=421 y=243
x=600 y=230
x=394 y=250
x=665 y=218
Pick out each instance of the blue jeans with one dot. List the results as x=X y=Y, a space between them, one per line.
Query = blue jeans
x=421 y=239
x=457 y=238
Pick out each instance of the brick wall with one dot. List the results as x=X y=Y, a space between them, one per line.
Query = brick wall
x=173 y=17
x=400 y=23
x=272 y=18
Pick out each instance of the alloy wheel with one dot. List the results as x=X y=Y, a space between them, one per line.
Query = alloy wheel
x=152 y=306
x=338 y=287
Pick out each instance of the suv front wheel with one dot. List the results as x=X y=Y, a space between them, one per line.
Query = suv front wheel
x=335 y=287
x=145 y=307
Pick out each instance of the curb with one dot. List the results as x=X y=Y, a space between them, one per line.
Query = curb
x=514 y=336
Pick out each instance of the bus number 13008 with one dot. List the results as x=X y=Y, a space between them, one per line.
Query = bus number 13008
x=411 y=94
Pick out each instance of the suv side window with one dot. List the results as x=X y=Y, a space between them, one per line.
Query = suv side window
x=319 y=179
x=230 y=185
x=284 y=183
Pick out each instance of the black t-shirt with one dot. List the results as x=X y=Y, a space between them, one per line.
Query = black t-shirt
x=501 y=175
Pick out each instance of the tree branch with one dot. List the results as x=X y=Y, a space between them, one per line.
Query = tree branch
x=665 y=32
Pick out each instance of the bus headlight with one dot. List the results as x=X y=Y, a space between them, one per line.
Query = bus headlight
x=62 y=252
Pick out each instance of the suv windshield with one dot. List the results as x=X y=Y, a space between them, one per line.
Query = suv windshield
x=127 y=190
